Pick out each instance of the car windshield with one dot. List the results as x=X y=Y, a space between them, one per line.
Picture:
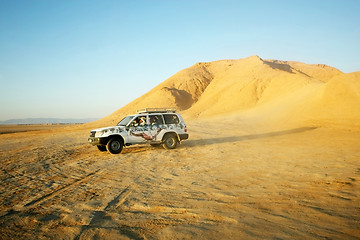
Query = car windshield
x=125 y=121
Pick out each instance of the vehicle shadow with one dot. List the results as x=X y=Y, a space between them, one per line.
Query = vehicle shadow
x=210 y=141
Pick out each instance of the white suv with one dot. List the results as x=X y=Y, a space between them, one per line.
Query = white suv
x=152 y=126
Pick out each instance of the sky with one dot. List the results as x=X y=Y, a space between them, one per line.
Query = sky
x=89 y=58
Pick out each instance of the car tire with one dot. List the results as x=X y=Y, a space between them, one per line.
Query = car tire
x=101 y=148
x=170 y=141
x=114 y=145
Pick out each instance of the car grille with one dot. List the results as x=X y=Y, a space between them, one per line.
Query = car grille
x=92 y=133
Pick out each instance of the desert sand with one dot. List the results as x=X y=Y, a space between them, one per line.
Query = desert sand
x=273 y=153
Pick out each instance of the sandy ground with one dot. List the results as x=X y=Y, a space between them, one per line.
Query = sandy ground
x=228 y=181
x=7 y=129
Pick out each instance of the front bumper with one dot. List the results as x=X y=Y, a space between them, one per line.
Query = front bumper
x=97 y=141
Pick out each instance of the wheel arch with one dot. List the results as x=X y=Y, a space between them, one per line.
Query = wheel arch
x=171 y=133
x=115 y=136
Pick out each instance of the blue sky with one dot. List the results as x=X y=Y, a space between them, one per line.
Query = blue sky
x=88 y=58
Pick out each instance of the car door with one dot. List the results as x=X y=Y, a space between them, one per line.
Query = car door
x=156 y=125
x=138 y=130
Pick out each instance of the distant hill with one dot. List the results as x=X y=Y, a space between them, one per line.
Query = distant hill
x=47 y=121
x=282 y=93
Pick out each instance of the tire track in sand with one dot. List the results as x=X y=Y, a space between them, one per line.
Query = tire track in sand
x=99 y=216
x=61 y=189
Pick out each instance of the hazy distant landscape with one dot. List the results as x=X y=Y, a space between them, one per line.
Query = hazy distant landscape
x=47 y=121
x=273 y=153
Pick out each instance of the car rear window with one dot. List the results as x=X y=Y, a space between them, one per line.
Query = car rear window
x=171 y=119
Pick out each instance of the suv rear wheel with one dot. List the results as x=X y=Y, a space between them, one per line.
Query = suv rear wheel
x=114 y=145
x=170 y=141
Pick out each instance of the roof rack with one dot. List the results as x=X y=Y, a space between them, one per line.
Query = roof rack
x=156 y=110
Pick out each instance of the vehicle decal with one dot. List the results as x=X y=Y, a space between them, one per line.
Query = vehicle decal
x=150 y=137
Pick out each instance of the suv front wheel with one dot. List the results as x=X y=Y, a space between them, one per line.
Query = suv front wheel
x=102 y=148
x=114 y=145
x=170 y=141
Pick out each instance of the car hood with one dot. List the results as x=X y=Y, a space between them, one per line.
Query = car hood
x=111 y=129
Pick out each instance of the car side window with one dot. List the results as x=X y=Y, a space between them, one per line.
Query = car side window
x=171 y=119
x=156 y=120
x=139 y=121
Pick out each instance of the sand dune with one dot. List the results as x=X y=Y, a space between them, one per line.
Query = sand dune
x=306 y=94
x=273 y=153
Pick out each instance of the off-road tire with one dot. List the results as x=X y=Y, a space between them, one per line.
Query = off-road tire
x=170 y=141
x=101 y=148
x=114 y=145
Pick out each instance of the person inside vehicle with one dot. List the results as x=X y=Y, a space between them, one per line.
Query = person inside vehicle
x=142 y=121
x=135 y=122
x=154 y=120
